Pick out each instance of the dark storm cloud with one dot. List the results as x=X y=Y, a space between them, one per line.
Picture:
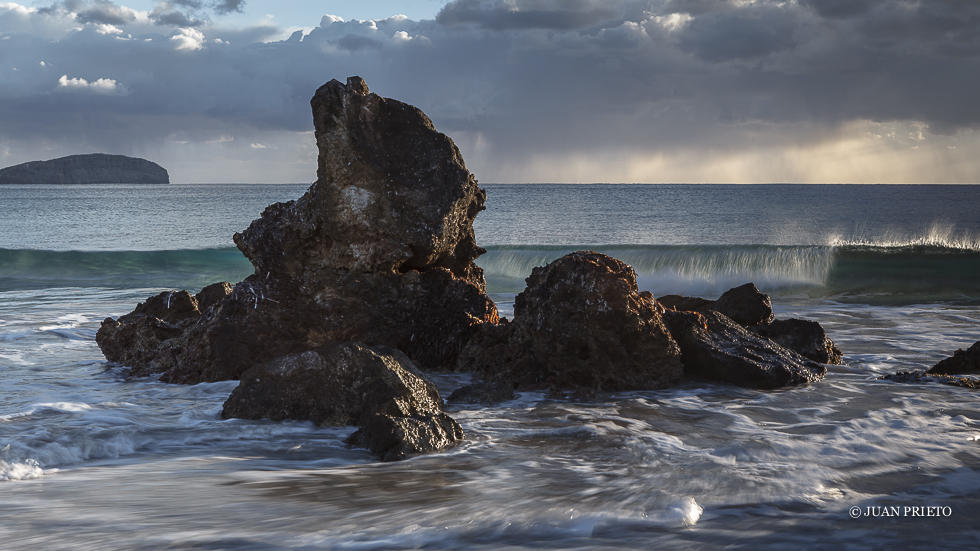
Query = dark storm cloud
x=520 y=77
x=228 y=6
x=528 y=14
x=747 y=34
x=175 y=18
x=841 y=8
x=106 y=13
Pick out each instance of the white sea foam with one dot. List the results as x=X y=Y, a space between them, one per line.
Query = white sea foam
x=20 y=470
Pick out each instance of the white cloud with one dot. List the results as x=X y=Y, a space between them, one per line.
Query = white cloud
x=259 y=146
x=105 y=86
x=187 y=39
x=107 y=29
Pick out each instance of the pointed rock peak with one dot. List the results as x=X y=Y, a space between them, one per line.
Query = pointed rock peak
x=356 y=85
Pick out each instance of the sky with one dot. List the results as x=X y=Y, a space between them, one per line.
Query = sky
x=810 y=91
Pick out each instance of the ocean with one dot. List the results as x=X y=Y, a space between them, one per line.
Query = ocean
x=90 y=459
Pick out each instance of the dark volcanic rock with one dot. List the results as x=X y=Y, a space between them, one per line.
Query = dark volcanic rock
x=394 y=438
x=745 y=305
x=716 y=348
x=581 y=324
x=804 y=337
x=95 y=168
x=961 y=362
x=144 y=338
x=380 y=250
x=377 y=388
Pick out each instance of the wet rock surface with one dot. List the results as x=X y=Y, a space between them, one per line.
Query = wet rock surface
x=380 y=250
x=580 y=324
x=804 y=337
x=745 y=305
x=716 y=348
x=961 y=362
x=377 y=388
x=919 y=377
x=749 y=307
x=485 y=393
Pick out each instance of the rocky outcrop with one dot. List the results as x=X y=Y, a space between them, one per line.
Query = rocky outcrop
x=745 y=305
x=95 y=168
x=962 y=362
x=804 y=337
x=147 y=337
x=580 y=324
x=752 y=309
x=378 y=388
x=716 y=348
x=380 y=250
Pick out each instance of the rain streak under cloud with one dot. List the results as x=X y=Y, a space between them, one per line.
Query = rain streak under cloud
x=531 y=90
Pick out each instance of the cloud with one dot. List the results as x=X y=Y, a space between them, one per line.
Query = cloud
x=105 y=86
x=187 y=39
x=577 y=89
x=529 y=14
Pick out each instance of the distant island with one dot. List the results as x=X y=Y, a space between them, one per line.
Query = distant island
x=94 y=168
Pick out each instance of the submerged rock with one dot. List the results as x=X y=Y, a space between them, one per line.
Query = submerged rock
x=486 y=393
x=961 y=362
x=380 y=250
x=919 y=377
x=377 y=388
x=580 y=324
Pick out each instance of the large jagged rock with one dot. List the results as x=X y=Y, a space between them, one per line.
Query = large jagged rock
x=960 y=363
x=345 y=383
x=380 y=250
x=716 y=348
x=581 y=324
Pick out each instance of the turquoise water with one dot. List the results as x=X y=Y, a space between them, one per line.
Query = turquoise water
x=92 y=460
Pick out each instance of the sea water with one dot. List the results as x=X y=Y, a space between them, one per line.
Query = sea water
x=91 y=459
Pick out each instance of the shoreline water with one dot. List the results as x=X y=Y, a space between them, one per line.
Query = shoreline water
x=137 y=463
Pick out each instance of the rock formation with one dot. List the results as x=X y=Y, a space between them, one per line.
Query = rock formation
x=805 y=337
x=380 y=250
x=94 y=168
x=745 y=305
x=960 y=363
x=339 y=384
x=581 y=324
x=716 y=348
x=749 y=307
